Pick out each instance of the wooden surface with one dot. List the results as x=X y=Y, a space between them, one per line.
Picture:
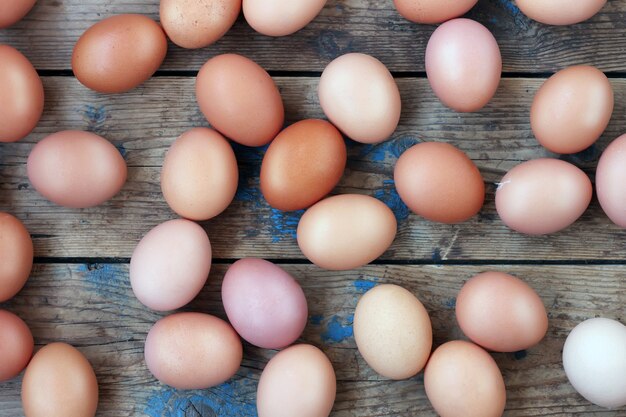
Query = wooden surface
x=79 y=291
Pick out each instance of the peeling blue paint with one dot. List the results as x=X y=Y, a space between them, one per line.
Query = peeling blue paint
x=122 y=150
x=103 y=277
x=391 y=149
x=450 y=303
x=316 y=320
x=511 y=7
x=284 y=224
x=364 y=285
x=338 y=329
x=95 y=116
x=389 y=195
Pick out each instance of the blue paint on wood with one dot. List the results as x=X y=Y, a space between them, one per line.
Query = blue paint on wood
x=316 y=319
x=511 y=7
x=103 y=277
x=235 y=398
x=284 y=224
x=338 y=329
x=364 y=285
x=450 y=303
x=391 y=149
x=122 y=150
x=389 y=195
x=95 y=116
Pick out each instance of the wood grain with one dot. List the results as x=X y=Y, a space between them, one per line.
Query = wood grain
x=93 y=308
x=48 y=34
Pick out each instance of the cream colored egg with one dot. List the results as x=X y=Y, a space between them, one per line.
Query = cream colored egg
x=279 y=17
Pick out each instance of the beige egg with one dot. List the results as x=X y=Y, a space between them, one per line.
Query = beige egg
x=610 y=181
x=359 y=95
x=433 y=11
x=346 y=231
x=199 y=175
x=192 y=351
x=16 y=256
x=392 y=331
x=298 y=381
x=59 y=382
x=279 y=17
x=560 y=12
x=463 y=380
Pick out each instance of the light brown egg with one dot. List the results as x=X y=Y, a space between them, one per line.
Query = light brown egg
x=170 y=265
x=433 y=11
x=279 y=17
x=501 y=312
x=571 y=109
x=16 y=256
x=392 y=331
x=346 y=231
x=59 y=382
x=198 y=23
x=193 y=351
x=610 y=181
x=463 y=64
x=240 y=99
x=16 y=345
x=76 y=169
x=359 y=95
x=543 y=196
x=21 y=95
x=560 y=12
x=302 y=165
x=298 y=381
x=119 y=53
x=462 y=380
x=12 y=11
x=439 y=182
x=199 y=175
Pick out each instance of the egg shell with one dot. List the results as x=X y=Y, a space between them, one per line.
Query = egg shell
x=346 y=231
x=59 y=382
x=298 y=381
x=21 y=94
x=240 y=99
x=265 y=305
x=119 y=53
x=560 y=12
x=463 y=380
x=198 y=23
x=439 y=182
x=76 y=169
x=170 y=265
x=543 y=196
x=280 y=18
x=392 y=331
x=16 y=345
x=433 y=11
x=192 y=351
x=302 y=165
x=359 y=95
x=12 y=11
x=610 y=177
x=16 y=256
x=199 y=176
x=594 y=358
x=501 y=312
x=571 y=109
x=463 y=64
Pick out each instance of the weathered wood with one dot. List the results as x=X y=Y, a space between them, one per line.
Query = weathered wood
x=93 y=308
x=48 y=34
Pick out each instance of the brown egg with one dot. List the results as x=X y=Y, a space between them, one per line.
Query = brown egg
x=501 y=312
x=12 y=11
x=610 y=181
x=359 y=95
x=462 y=380
x=542 y=196
x=119 y=53
x=199 y=175
x=76 y=169
x=59 y=382
x=302 y=165
x=571 y=109
x=463 y=64
x=439 y=182
x=21 y=95
x=16 y=345
x=560 y=12
x=279 y=17
x=392 y=331
x=193 y=351
x=240 y=99
x=198 y=23
x=298 y=381
x=16 y=256
x=433 y=11
x=346 y=231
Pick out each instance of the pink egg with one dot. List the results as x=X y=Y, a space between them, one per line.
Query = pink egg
x=265 y=305
x=463 y=64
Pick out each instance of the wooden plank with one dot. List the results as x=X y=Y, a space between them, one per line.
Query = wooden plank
x=48 y=34
x=144 y=122
x=93 y=308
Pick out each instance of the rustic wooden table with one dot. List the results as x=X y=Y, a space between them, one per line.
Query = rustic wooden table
x=79 y=290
